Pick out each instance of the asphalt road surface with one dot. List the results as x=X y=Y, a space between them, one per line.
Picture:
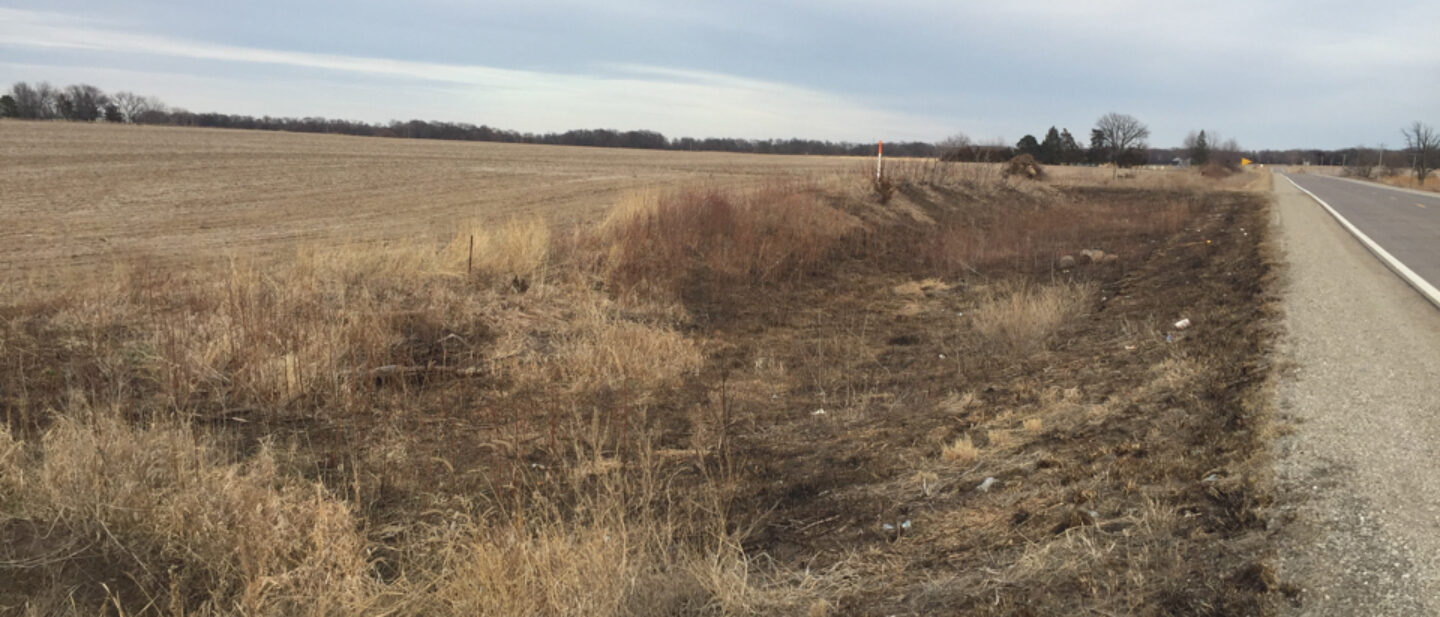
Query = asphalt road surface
x=1405 y=223
x=1358 y=459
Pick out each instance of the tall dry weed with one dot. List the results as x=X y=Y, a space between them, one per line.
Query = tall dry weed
x=154 y=520
x=519 y=248
x=704 y=237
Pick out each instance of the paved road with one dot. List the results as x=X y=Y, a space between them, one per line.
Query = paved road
x=1358 y=462
x=1405 y=223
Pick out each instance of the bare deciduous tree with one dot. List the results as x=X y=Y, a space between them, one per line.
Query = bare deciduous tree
x=83 y=102
x=1120 y=136
x=134 y=106
x=34 y=102
x=956 y=147
x=1424 y=145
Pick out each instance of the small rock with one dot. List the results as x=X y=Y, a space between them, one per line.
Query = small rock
x=818 y=412
x=1092 y=255
x=1067 y=262
x=1110 y=258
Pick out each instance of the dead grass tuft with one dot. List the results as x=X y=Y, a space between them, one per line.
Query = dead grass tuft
x=165 y=522
x=962 y=451
x=1021 y=318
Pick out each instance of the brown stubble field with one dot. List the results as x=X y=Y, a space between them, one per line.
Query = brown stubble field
x=760 y=389
x=76 y=199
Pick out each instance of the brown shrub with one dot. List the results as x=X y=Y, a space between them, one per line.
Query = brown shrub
x=1216 y=170
x=1024 y=166
x=702 y=237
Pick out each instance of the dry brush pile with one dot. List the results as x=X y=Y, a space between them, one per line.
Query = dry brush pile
x=615 y=420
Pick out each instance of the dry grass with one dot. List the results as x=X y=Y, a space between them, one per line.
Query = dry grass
x=81 y=197
x=1403 y=180
x=170 y=526
x=1035 y=239
x=1021 y=318
x=962 y=451
x=1251 y=179
x=693 y=239
x=614 y=420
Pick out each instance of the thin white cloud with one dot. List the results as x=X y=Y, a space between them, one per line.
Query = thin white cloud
x=675 y=101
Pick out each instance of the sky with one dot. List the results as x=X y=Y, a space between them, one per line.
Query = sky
x=1277 y=74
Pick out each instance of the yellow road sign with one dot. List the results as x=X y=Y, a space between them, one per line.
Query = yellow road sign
x=1245 y=161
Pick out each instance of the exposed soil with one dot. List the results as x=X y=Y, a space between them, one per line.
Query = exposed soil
x=1136 y=493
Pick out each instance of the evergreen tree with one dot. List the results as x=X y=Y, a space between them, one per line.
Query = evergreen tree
x=1200 y=150
x=8 y=108
x=1070 y=152
x=1097 y=153
x=1028 y=145
x=1050 y=148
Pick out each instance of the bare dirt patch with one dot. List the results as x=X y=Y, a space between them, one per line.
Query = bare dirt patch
x=1106 y=462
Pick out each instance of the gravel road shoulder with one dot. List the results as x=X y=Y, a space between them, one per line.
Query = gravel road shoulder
x=1359 y=469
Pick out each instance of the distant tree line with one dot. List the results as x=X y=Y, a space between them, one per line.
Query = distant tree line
x=1117 y=139
x=86 y=103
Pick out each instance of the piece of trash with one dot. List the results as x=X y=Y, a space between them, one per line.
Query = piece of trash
x=1169 y=338
x=985 y=486
x=818 y=412
x=942 y=356
x=1182 y=324
x=1129 y=348
x=959 y=313
x=897 y=530
x=1211 y=478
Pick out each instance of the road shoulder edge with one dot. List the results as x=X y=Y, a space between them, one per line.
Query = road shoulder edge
x=1409 y=276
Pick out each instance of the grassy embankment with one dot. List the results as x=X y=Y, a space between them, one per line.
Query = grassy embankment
x=775 y=401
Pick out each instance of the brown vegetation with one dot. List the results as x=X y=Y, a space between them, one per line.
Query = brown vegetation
x=1024 y=166
x=1215 y=170
x=777 y=400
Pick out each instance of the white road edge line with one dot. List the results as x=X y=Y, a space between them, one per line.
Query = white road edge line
x=1421 y=285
